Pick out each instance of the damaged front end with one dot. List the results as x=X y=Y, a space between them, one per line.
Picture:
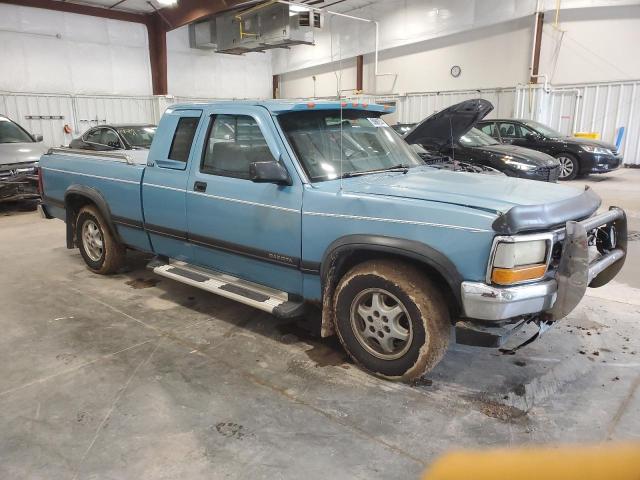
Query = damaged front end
x=19 y=182
x=586 y=253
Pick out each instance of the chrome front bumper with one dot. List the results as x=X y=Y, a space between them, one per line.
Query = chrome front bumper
x=487 y=302
x=558 y=296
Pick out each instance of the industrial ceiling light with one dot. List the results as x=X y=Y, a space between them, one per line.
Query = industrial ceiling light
x=167 y=3
x=294 y=9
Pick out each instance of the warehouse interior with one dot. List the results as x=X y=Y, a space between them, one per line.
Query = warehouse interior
x=134 y=375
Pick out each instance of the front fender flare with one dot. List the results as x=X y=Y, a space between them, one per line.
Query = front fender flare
x=410 y=249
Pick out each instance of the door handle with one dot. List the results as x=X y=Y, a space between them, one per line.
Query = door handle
x=200 y=187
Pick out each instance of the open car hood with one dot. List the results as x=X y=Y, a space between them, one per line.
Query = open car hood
x=445 y=126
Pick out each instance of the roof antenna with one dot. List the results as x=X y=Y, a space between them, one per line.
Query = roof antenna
x=341 y=102
x=453 y=147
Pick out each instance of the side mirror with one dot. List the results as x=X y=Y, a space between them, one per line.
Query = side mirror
x=269 y=172
x=37 y=137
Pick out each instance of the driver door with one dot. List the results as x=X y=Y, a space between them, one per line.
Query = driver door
x=518 y=134
x=249 y=230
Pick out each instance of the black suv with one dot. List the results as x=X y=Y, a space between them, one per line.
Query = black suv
x=576 y=155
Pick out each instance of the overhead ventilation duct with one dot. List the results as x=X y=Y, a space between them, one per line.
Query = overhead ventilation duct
x=266 y=26
x=202 y=35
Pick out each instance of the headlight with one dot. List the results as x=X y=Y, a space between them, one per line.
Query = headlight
x=594 y=149
x=521 y=166
x=517 y=260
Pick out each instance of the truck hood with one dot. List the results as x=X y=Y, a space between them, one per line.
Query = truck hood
x=18 y=153
x=448 y=125
x=495 y=194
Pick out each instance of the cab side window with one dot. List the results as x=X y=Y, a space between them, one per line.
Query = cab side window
x=235 y=141
x=183 y=138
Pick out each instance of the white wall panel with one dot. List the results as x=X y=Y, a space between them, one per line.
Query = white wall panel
x=201 y=73
x=328 y=80
x=496 y=56
x=402 y=22
x=489 y=57
x=591 y=45
x=56 y=52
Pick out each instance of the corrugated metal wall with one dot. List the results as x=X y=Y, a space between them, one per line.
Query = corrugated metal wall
x=603 y=108
x=78 y=111
x=417 y=106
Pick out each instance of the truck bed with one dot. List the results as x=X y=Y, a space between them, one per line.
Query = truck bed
x=114 y=177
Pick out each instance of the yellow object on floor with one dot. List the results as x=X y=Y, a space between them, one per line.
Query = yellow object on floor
x=603 y=462
x=591 y=135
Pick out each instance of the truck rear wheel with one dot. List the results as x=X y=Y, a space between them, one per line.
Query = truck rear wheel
x=391 y=319
x=98 y=247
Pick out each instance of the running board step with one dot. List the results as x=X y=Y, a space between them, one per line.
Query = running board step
x=263 y=298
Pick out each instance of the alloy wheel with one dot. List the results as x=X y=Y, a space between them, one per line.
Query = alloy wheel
x=92 y=240
x=381 y=324
x=566 y=166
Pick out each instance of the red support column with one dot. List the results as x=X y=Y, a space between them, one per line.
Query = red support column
x=536 y=46
x=360 y=73
x=157 y=54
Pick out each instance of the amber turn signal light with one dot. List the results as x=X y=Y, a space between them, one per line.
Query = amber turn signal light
x=509 y=276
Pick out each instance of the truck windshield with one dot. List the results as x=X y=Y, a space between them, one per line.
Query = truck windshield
x=329 y=144
x=11 y=132
x=138 y=137
x=476 y=138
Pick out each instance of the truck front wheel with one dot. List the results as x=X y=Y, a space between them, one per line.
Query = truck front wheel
x=99 y=249
x=391 y=319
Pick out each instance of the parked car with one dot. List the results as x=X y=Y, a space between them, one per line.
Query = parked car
x=135 y=140
x=451 y=132
x=577 y=156
x=289 y=207
x=19 y=155
x=440 y=161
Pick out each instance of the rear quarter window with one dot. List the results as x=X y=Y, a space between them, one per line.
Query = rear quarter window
x=183 y=138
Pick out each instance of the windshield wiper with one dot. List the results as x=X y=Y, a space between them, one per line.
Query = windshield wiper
x=395 y=168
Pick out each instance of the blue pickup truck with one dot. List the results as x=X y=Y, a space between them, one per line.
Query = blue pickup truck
x=295 y=207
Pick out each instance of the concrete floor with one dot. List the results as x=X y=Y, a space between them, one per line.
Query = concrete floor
x=133 y=376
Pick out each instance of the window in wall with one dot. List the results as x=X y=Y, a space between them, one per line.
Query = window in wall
x=183 y=139
x=235 y=141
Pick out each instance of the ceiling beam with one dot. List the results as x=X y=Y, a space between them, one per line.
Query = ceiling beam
x=81 y=9
x=189 y=11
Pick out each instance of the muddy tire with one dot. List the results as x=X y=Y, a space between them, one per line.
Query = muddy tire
x=98 y=247
x=391 y=319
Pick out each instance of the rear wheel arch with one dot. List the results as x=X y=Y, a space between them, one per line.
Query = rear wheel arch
x=78 y=196
x=347 y=252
